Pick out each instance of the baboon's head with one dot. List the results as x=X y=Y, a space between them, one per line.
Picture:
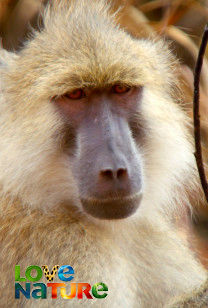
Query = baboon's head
x=88 y=117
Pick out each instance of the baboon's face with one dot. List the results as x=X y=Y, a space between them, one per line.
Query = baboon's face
x=106 y=162
x=89 y=116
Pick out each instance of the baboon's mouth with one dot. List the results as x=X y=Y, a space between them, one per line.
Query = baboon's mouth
x=112 y=208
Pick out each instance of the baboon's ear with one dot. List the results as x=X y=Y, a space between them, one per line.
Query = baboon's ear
x=6 y=57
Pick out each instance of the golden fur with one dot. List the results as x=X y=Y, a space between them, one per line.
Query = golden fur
x=141 y=259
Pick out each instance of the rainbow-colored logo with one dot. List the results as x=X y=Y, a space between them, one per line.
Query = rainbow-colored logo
x=38 y=290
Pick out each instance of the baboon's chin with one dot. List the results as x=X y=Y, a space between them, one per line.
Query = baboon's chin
x=113 y=208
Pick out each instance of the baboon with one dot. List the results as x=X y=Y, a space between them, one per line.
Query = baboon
x=96 y=161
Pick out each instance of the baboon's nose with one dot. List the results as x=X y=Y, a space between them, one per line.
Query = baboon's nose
x=113 y=180
x=116 y=174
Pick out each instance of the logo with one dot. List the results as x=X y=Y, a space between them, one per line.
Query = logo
x=29 y=287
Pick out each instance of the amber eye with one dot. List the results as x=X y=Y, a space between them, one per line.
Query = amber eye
x=121 y=89
x=76 y=94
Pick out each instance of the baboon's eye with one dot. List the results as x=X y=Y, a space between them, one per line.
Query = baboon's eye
x=121 y=89
x=76 y=94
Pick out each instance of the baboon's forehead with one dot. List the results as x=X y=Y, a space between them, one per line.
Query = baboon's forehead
x=84 y=47
x=104 y=57
x=90 y=42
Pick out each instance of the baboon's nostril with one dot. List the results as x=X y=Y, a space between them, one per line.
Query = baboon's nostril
x=114 y=174
x=108 y=174
x=121 y=173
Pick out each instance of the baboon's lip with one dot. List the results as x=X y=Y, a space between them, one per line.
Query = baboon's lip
x=121 y=198
x=112 y=208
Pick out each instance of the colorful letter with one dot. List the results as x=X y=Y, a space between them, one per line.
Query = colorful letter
x=54 y=287
x=28 y=273
x=73 y=292
x=86 y=291
x=19 y=288
x=42 y=290
x=95 y=290
x=17 y=274
x=49 y=276
x=62 y=272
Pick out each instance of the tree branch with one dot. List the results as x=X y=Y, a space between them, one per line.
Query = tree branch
x=197 y=131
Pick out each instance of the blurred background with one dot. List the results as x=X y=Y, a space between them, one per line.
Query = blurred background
x=179 y=21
